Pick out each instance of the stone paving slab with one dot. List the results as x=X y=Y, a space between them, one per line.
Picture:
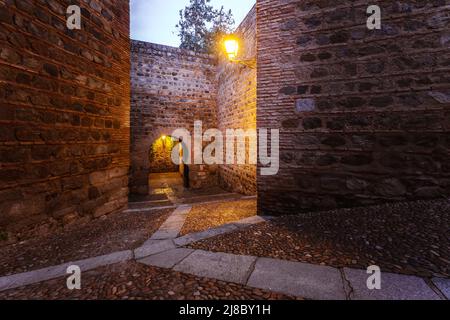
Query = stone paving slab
x=393 y=287
x=193 y=237
x=150 y=242
x=154 y=248
x=443 y=285
x=252 y=220
x=23 y=279
x=170 y=229
x=167 y=259
x=172 y=226
x=221 y=266
x=298 y=279
x=164 y=234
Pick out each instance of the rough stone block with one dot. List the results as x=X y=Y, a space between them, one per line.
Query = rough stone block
x=98 y=178
x=393 y=287
x=299 y=279
x=305 y=105
x=222 y=266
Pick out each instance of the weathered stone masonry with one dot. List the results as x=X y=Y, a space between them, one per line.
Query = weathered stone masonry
x=64 y=115
x=236 y=104
x=364 y=115
x=170 y=89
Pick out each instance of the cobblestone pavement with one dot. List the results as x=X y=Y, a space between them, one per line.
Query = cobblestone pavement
x=135 y=281
x=408 y=238
x=206 y=216
x=112 y=233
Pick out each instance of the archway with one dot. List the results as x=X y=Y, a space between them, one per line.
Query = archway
x=166 y=177
x=160 y=155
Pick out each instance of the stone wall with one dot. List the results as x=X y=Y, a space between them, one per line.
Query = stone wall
x=236 y=104
x=170 y=89
x=64 y=116
x=161 y=156
x=364 y=115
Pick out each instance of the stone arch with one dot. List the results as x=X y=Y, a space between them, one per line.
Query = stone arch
x=140 y=159
x=160 y=155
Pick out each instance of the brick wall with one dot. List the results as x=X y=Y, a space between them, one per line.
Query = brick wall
x=236 y=104
x=64 y=116
x=160 y=156
x=363 y=114
x=170 y=89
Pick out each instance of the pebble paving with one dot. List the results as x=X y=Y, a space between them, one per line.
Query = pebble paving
x=407 y=238
x=403 y=238
x=135 y=281
x=113 y=233
x=206 y=216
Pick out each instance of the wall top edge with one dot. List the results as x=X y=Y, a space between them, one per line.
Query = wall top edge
x=138 y=46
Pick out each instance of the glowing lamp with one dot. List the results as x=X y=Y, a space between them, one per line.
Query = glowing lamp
x=231 y=47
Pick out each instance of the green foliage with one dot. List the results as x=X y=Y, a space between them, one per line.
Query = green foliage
x=3 y=236
x=201 y=27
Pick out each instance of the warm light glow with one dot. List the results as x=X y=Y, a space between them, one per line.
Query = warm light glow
x=231 y=47
x=164 y=141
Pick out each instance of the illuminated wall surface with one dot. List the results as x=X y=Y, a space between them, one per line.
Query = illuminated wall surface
x=236 y=104
x=170 y=89
x=161 y=156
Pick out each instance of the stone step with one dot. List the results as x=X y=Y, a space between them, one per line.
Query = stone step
x=210 y=198
x=147 y=197
x=149 y=204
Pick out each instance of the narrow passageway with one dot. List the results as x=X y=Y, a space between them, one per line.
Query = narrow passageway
x=166 y=184
x=168 y=189
x=147 y=165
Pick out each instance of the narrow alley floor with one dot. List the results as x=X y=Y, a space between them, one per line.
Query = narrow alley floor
x=221 y=250
x=168 y=188
x=411 y=238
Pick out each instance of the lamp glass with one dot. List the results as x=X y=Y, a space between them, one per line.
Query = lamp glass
x=231 y=48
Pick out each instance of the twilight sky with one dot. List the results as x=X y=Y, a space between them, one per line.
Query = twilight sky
x=155 y=20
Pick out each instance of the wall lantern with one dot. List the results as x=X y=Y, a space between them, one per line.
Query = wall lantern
x=231 y=45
